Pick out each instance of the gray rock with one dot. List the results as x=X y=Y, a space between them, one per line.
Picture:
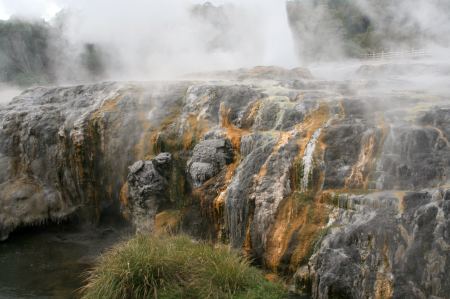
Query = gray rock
x=253 y=163
x=147 y=188
x=200 y=172
x=385 y=247
x=208 y=158
x=238 y=201
x=71 y=146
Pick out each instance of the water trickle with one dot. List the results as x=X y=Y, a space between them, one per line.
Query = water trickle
x=308 y=159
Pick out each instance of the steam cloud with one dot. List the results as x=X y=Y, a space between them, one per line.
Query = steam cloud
x=7 y=93
x=142 y=40
x=161 y=39
x=428 y=20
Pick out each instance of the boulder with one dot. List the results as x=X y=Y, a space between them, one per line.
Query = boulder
x=208 y=158
x=147 y=186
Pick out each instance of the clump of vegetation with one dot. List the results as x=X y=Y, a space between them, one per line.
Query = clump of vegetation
x=176 y=267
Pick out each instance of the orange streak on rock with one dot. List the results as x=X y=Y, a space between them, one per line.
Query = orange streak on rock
x=197 y=127
x=302 y=213
x=370 y=150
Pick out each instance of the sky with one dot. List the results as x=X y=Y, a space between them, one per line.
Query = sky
x=39 y=8
x=30 y=8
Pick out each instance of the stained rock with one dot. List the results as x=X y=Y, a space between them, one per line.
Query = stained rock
x=384 y=245
x=208 y=158
x=147 y=186
x=337 y=182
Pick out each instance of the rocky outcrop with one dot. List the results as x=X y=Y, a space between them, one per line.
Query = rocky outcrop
x=208 y=158
x=42 y=146
x=147 y=185
x=384 y=245
x=338 y=184
x=65 y=151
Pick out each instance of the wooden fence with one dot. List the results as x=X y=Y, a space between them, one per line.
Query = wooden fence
x=386 y=55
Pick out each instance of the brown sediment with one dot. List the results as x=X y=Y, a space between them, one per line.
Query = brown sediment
x=96 y=143
x=250 y=114
x=316 y=215
x=97 y=119
x=302 y=216
x=440 y=134
x=147 y=135
x=21 y=184
x=124 y=201
x=401 y=204
x=90 y=146
x=314 y=121
x=109 y=105
x=148 y=146
x=359 y=177
x=384 y=288
x=233 y=133
x=283 y=139
x=370 y=151
x=247 y=246
x=197 y=127
x=272 y=277
x=167 y=221
x=317 y=119
x=219 y=201
x=123 y=195
x=298 y=224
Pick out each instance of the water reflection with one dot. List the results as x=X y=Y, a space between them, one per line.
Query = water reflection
x=51 y=263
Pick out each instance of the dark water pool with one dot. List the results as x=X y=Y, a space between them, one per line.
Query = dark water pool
x=50 y=263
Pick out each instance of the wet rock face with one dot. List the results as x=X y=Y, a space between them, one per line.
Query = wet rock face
x=386 y=247
x=204 y=101
x=40 y=140
x=307 y=177
x=147 y=185
x=418 y=156
x=65 y=151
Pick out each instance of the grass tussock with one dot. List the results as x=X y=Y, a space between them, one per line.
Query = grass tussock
x=175 y=267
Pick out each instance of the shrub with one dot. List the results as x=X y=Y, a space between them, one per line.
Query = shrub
x=175 y=267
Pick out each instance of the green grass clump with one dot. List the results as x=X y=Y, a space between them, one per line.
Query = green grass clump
x=175 y=267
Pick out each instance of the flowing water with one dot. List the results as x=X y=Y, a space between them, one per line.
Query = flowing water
x=51 y=263
x=308 y=159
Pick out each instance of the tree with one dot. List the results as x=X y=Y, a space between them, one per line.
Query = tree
x=92 y=61
x=23 y=47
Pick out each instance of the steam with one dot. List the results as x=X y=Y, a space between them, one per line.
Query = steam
x=330 y=30
x=150 y=39
x=427 y=20
x=163 y=39
x=7 y=93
